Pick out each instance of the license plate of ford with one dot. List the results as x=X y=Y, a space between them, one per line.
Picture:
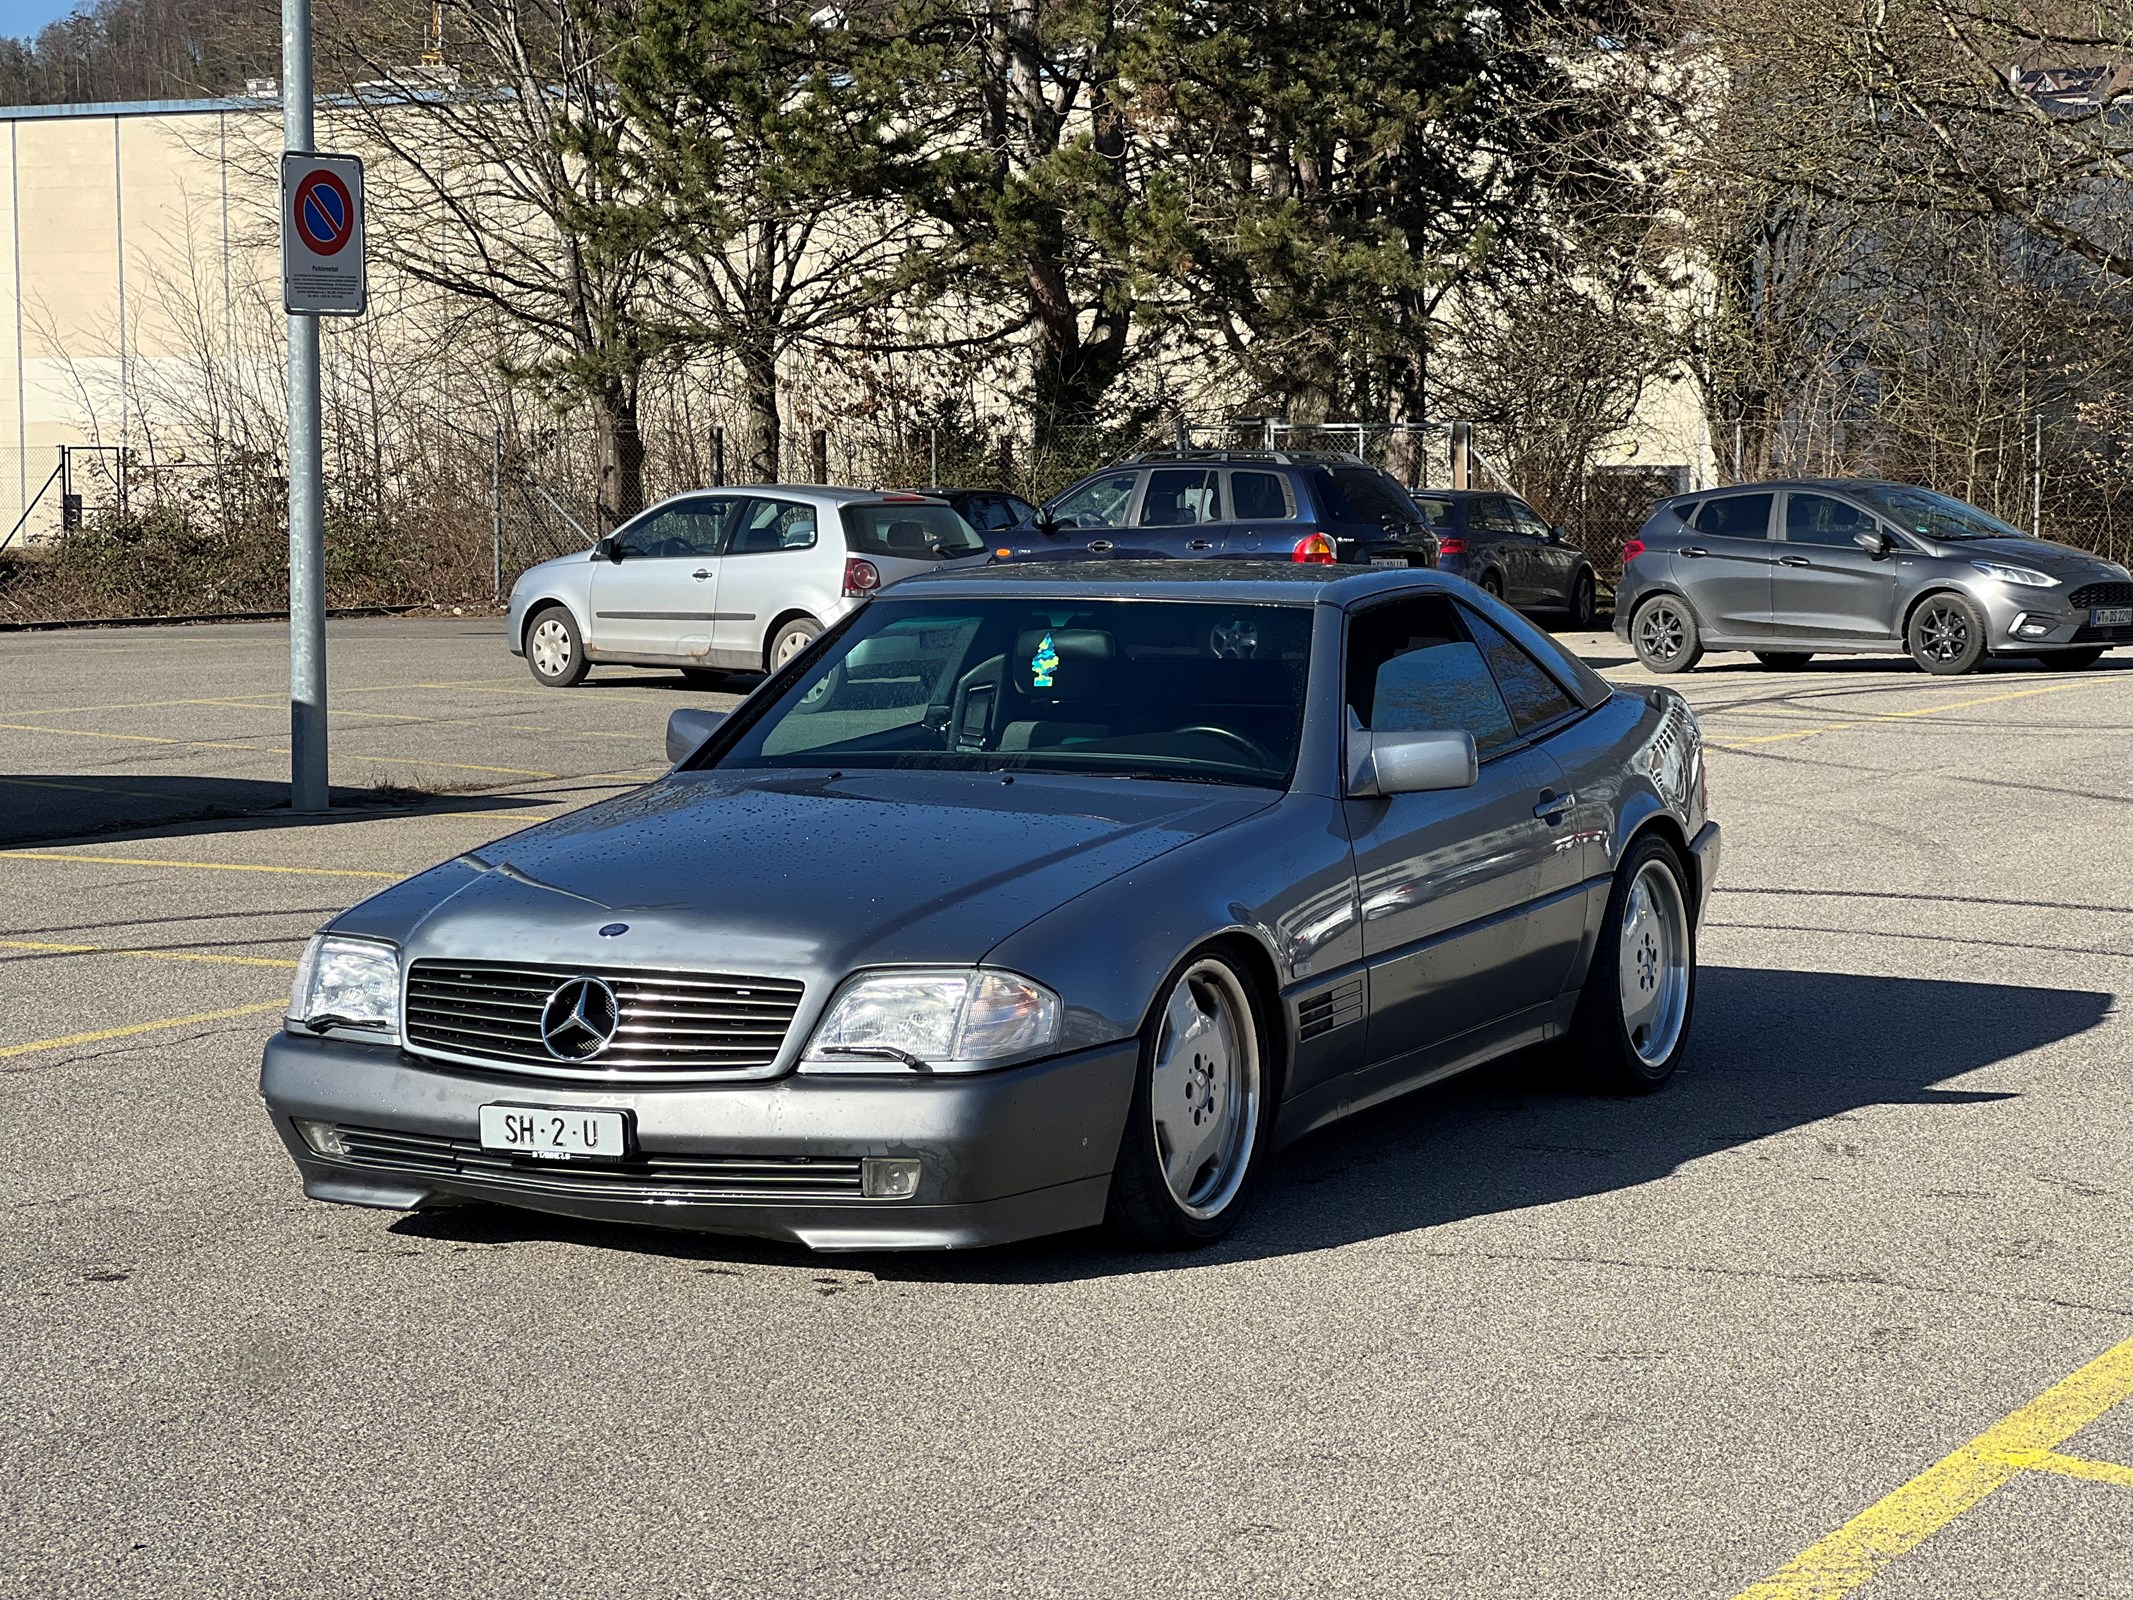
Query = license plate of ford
x=2112 y=616
x=555 y=1133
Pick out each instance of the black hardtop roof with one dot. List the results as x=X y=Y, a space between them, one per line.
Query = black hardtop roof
x=1267 y=582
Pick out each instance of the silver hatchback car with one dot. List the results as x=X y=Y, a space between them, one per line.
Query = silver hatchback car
x=728 y=580
x=1800 y=568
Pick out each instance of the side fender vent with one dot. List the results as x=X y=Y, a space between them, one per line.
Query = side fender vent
x=1336 y=1008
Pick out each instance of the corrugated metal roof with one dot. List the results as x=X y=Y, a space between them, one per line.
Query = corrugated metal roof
x=138 y=108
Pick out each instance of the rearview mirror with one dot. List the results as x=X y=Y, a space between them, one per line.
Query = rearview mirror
x=1411 y=763
x=688 y=729
x=1875 y=541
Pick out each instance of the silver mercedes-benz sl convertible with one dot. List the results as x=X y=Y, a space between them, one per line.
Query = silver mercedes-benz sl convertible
x=1023 y=899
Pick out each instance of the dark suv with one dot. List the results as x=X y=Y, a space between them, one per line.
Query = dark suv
x=1256 y=505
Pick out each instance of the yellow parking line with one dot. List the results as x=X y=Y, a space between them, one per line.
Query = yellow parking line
x=1870 y=718
x=272 y=750
x=2026 y=1440
x=149 y=955
x=130 y=1029
x=84 y=788
x=197 y=866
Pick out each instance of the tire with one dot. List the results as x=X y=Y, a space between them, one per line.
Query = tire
x=1197 y=1130
x=1665 y=636
x=2069 y=660
x=1784 y=660
x=1632 y=1021
x=1491 y=584
x=555 y=650
x=788 y=639
x=1582 y=596
x=1946 y=634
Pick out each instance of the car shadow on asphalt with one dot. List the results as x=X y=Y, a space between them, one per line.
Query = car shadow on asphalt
x=51 y=808
x=1773 y=1051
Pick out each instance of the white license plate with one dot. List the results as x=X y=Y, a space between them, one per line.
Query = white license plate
x=554 y=1133
x=1388 y=561
x=2112 y=617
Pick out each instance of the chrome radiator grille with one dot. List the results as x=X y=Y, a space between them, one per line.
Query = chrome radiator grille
x=669 y=1024
x=646 y=1178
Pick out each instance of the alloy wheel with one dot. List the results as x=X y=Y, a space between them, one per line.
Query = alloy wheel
x=1204 y=1089
x=1661 y=633
x=1654 y=963
x=1943 y=631
x=550 y=644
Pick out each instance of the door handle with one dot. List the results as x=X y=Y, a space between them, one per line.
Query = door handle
x=1199 y=544
x=1098 y=546
x=1553 y=806
x=1695 y=550
x=701 y=572
x=1794 y=561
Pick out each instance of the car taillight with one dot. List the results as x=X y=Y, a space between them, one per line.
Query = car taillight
x=860 y=576
x=1453 y=546
x=1631 y=549
x=1314 y=547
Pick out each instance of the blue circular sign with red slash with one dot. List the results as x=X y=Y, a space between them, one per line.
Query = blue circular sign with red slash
x=324 y=213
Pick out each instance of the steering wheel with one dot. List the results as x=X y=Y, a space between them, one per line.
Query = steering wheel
x=1248 y=746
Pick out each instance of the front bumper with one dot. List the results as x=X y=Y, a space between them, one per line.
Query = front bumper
x=1006 y=1155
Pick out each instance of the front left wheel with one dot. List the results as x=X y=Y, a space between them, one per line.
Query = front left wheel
x=1946 y=635
x=1195 y=1132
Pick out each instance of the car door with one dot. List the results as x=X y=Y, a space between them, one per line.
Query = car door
x=1725 y=561
x=1092 y=519
x=1494 y=545
x=765 y=572
x=1180 y=514
x=1262 y=515
x=1445 y=878
x=1823 y=585
x=1550 y=561
x=659 y=601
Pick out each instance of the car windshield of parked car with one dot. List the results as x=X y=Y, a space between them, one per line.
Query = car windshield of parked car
x=1197 y=691
x=1936 y=516
x=915 y=531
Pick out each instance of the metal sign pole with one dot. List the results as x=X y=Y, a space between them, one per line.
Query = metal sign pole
x=307 y=554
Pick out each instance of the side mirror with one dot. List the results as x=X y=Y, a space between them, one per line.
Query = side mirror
x=1047 y=524
x=688 y=729
x=1875 y=541
x=1411 y=763
x=607 y=550
x=1556 y=535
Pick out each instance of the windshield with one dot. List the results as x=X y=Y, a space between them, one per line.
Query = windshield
x=915 y=530
x=1935 y=516
x=1196 y=691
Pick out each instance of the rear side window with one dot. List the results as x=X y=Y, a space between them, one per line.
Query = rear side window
x=911 y=532
x=1180 y=497
x=1412 y=668
x=1437 y=513
x=1371 y=496
x=1735 y=516
x=774 y=525
x=1258 y=497
x=1529 y=690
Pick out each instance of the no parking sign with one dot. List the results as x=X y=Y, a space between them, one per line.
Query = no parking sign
x=322 y=236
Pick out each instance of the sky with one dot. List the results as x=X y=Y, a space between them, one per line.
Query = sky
x=24 y=17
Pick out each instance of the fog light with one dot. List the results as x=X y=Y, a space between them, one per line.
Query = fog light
x=888 y=1178
x=323 y=1137
x=2030 y=627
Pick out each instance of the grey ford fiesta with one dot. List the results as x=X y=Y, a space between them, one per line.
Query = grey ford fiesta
x=1024 y=899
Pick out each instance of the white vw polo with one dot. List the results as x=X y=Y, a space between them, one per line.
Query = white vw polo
x=728 y=580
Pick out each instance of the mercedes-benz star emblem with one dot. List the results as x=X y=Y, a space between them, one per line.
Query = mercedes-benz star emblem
x=580 y=1019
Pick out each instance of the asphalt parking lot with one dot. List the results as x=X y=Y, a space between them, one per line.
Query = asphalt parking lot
x=1805 y=1319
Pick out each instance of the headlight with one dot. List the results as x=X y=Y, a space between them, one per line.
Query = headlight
x=932 y=1021
x=347 y=983
x=2027 y=577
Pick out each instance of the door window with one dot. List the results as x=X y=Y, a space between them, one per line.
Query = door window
x=1820 y=519
x=1436 y=512
x=692 y=527
x=775 y=525
x=1100 y=503
x=1259 y=497
x=1411 y=668
x=1180 y=498
x=1528 y=688
x=1528 y=520
x=1735 y=516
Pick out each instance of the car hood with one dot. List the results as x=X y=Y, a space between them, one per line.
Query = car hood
x=796 y=874
x=2058 y=560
